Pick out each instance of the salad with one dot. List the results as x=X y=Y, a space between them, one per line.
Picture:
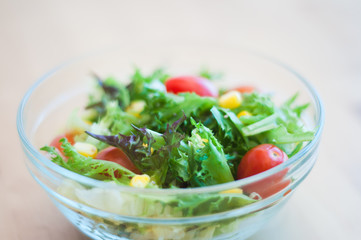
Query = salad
x=170 y=132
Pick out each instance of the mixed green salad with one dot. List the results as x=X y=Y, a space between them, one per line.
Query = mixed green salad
x=163 y=131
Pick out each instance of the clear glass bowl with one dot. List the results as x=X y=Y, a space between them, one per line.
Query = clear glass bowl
x=107 y=211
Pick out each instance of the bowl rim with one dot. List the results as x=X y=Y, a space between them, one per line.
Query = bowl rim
x=320 y=115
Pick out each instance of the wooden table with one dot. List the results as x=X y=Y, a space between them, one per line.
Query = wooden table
x=321 y=39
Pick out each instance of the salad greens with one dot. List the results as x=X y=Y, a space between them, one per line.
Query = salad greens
x=179 y=140
x=172 y=138
x=94 y=168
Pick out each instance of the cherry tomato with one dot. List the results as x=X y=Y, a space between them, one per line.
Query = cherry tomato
x=245 y=89
x=260 y=159
x=201 y=86
x=267 y=187
x=116 y=155
x=55 y=143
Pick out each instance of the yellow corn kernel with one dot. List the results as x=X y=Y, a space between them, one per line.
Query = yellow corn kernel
x=232 y=99
x=151 y=149
x=136 y=107
x=205 y=140
x=88 y=122
x=140 y=181
x=233 y=190
x=200 y=140
x=243 y=113
x=86 y=149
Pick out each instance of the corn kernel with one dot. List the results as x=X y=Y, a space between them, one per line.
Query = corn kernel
x=233 y=190
x=136 y=107
x=232 y=99
x=199 y=140
x=243 y=113
x=88 y=122
x=205 y=140
x=86 y=149
x=151 y=149
x=140 y=181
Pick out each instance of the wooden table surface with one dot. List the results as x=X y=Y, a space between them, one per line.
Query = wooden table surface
x=321 y=39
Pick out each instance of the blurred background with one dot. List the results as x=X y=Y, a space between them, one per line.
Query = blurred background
x=321 y=39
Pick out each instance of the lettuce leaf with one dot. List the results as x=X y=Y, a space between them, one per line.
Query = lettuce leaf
x=111 y=90
x=166 y=107
x=117 y=120
x=196 y=205
x=141 y=84
x=257 y=104
x=86 y=166
x=203 y=157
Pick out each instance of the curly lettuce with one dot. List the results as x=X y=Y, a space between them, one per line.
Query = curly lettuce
x=86 y=166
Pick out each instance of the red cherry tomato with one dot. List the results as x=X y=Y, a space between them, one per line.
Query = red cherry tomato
x=116 y=155
x=260 y=159
x=201 y=86
x=245 y=89
x=267 y=187
x=55 y=143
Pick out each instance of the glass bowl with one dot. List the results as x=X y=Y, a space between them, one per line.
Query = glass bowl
x=103 y=210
